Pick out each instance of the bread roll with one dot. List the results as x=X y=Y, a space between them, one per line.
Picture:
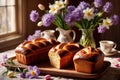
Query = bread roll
x=61 y=55
x=31 y=52
x=88 y=60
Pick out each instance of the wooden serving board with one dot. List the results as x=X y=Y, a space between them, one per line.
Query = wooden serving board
x=46 y=68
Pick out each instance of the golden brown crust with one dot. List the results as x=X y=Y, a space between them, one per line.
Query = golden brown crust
x=33 y=51
x=62 y=55
x=88 y=60
x=88 y=53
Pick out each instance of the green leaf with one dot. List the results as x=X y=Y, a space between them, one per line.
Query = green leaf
x=5 y=72
x=77 y=24
x=25 y=70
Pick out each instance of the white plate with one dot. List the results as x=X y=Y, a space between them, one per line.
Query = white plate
x=113 y=52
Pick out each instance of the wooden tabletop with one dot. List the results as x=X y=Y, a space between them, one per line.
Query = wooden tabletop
x=113 y=73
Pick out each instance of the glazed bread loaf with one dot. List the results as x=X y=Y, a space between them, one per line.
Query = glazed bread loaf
x=61 y=55
x=31 y=52
x=88 y=60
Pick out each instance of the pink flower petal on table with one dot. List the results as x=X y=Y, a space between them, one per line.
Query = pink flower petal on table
x=117 y=65
x=1 y=64
x=118 y=59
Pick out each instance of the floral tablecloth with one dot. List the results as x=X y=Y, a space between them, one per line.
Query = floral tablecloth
x=113 y=73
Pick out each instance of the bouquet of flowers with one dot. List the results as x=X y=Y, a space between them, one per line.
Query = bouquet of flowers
x=90 y=16
x=55 y=15
x=85 y=17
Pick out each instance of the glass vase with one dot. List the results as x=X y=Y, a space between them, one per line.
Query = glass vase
x=87 y=38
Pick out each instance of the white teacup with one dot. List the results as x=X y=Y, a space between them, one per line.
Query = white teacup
x=106 y=46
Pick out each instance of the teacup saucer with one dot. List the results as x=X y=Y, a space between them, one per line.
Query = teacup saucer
x=113 y=52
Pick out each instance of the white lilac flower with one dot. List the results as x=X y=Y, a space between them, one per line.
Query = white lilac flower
x=60 y=4
x=53 y=9
x=41 y=7
x=88 y=13
x=107 y=22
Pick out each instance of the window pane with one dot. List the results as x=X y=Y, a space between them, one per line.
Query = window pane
x=7 y=16
x=2 y=2
x=11 y=19
x=3 y=21
x=10 y=2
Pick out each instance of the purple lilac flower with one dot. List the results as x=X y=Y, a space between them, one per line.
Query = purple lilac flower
x=69 y=19
x=34 y=15
x=22 y=75
x=108 y=7
x=115 y=19
x=102 y=29
x=33 y=72
x=37 y=31
x=70 y=9
x=34 y=36
x=47 y=77
x=83 y=5
x=77 y=14
x=47 y=19
x=4 y=58
x=95 y=10
x=98 y=3
x=30 y=38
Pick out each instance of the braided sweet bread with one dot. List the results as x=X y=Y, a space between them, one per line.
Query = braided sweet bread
x=31 y=52
x=88 y=60
x=62 y=55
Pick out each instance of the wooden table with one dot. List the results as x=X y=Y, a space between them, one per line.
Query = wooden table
x=113 y=73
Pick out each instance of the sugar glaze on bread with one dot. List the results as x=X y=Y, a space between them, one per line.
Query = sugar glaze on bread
x=61 y=55
x=88 y=60
x=31 y=52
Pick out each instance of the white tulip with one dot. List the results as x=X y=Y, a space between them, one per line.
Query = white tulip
x=41 y=7
x=40 y=23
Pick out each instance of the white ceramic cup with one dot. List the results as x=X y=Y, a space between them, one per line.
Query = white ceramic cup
x=106 y=46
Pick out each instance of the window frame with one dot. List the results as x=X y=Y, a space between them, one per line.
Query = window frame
x=11 y=40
